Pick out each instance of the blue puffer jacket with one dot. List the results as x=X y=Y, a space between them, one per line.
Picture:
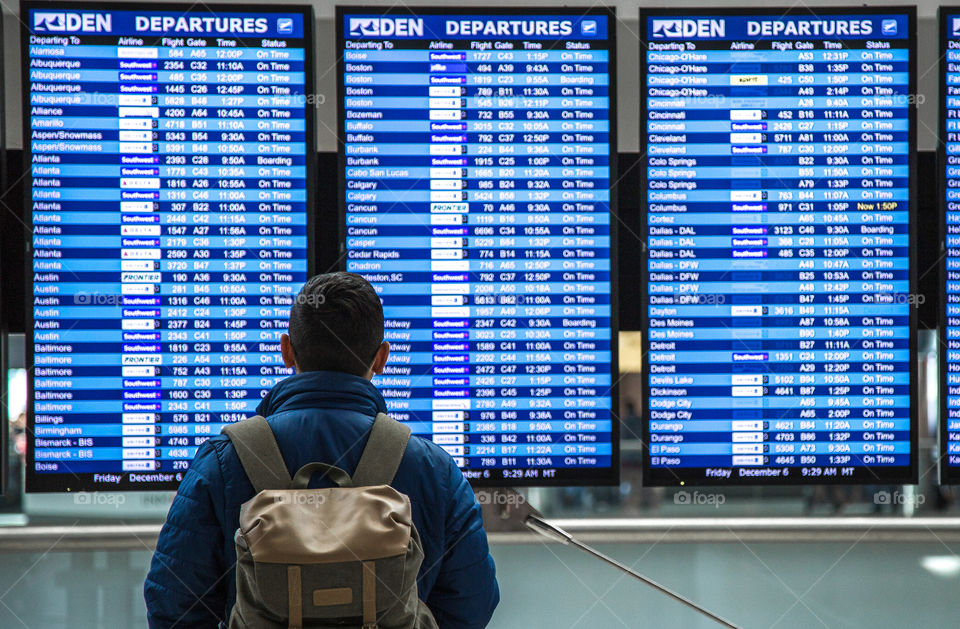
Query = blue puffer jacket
x=318 y=416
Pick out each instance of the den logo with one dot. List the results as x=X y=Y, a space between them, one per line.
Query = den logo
x=69 y=22
x=385 y=27
x=677 y=28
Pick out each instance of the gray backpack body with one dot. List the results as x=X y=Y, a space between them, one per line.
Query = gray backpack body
x=346 y=556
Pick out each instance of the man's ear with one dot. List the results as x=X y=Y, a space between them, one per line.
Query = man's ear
x=380 y=359
x=286 y=351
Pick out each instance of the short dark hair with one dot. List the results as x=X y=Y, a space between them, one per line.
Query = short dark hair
x=336 y=324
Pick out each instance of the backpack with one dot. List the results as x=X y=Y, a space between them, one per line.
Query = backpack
x=346 y=556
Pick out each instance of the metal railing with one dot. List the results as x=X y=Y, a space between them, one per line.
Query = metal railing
x=22 y=539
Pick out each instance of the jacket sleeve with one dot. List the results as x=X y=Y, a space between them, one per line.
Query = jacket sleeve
x=466 y=592
x=186 y=584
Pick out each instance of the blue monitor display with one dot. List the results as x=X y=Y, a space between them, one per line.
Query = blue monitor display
x=476 y=169
x=949 y=153
x=777 y=177
x=169 y=152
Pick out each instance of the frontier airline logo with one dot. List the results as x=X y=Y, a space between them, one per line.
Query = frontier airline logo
x=679 y=28
x=64 y=22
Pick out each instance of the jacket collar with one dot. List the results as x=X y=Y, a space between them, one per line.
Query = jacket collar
x=323 y=389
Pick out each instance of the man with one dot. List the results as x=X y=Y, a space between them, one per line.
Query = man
x=322 y=413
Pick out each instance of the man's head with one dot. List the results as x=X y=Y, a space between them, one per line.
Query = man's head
x=336 y=324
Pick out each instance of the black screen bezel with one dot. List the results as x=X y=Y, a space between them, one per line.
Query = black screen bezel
x=948 y=475
x=4 y=318
x=675 y=477
x=577 y=476
x=53 y=483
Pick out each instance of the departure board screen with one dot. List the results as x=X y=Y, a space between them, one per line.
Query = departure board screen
x=778 y=269
x=169 y=152
x=949 y=176
x=477 y=165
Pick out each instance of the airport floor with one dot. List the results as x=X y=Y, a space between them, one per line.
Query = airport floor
x=772 y=585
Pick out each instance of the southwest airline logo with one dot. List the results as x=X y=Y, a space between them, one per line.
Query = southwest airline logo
x=688 y=28
x=62 y=22
x=386 y=27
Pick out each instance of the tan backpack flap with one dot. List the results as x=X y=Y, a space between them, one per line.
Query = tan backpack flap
x=311 y=526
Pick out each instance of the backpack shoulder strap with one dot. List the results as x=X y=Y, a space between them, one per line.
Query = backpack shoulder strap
x=259 y=453
x=381 y=457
